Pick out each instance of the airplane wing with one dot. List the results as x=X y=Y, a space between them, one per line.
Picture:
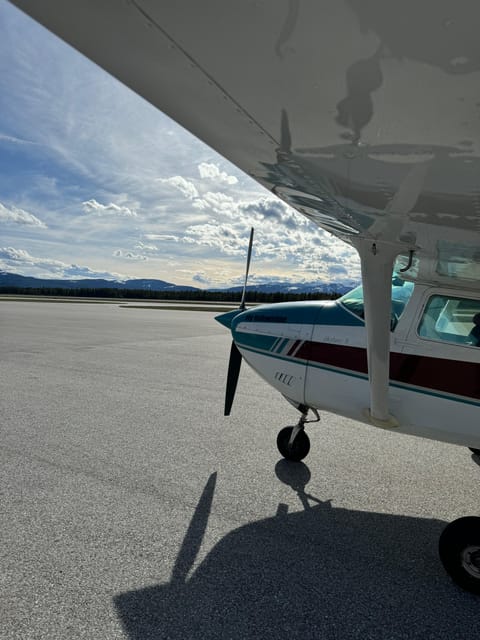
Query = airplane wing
x=362 y=114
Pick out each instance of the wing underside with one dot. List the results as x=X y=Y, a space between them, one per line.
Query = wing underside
x=364 y=116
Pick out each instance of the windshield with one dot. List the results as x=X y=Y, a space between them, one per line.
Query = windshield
x=401 y=292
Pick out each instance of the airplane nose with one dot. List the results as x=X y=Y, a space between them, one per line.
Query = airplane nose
x=226 y=318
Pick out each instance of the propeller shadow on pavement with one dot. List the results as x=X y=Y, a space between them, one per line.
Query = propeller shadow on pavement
x=322 y=572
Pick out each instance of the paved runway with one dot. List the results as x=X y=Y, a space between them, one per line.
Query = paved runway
x=131 y=508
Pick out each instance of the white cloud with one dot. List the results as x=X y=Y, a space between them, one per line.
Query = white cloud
x=280 y=231
x=201 y=278
x=20 y=261
x=146 y=247
x=284 y=239
x=19 y=216
x=129 y=255
x=161 y=236
x=186 y=188
x=336 y=270
x=274 y=210
x=95 y=208
x=14 y=140
x=211 y=171
x=217 y=202
x=16 y=255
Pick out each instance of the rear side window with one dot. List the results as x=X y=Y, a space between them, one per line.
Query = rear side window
x=451 y=319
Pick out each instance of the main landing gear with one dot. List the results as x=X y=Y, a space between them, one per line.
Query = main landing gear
x=293 y=442
x=459 y=549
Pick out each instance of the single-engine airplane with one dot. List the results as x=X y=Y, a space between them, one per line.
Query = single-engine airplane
x=364 y=116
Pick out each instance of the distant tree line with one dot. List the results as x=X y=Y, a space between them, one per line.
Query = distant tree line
x=193 y=295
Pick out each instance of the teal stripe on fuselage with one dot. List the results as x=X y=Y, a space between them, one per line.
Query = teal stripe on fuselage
x=275 y=344
x=264 y=343
x=287 y=313
x=281 y=346
x=309 y=312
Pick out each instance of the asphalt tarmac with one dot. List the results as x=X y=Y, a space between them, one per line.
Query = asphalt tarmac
x=131 y=508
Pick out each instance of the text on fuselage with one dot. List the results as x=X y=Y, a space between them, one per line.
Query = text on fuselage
x=285 y=378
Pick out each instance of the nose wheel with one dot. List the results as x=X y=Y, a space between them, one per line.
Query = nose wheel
x=293 y=442
x=295 y=449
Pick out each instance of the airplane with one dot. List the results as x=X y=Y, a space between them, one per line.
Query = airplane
x=364 y=117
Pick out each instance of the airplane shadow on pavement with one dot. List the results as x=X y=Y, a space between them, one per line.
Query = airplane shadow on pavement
x=323 y=573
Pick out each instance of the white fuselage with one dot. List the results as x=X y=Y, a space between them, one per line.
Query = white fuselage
x=434 y=389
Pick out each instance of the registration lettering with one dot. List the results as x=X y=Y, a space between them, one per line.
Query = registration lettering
x=285 y=378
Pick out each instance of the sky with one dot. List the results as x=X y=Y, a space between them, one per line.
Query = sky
x=95 y=182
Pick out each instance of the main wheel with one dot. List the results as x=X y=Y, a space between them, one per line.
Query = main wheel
x=459 y=549
x=475 y=451
x=299 y=448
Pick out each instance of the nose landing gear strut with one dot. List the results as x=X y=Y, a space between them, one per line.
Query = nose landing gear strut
x=293 y=442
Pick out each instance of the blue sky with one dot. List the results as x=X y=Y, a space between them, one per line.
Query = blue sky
x=95 y=182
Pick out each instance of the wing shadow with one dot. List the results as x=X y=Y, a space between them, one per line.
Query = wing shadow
x=323 y=572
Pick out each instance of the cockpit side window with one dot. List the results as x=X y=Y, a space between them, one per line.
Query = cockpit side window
x=353 y=301
x=401 y=293
x=451 y=319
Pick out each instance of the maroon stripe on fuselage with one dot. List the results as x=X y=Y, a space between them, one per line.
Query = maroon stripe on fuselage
x=439 y=374
x=293 y=347
x=352 y=358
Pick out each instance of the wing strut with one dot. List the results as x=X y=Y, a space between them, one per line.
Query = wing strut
x=377 y=260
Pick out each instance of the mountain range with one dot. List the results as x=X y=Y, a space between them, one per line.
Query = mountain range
x=149 y=284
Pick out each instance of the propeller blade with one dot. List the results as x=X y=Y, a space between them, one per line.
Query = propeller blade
x=232 y=377
x=235 y=356
x=249 y=255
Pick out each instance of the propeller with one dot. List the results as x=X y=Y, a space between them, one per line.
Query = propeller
x=235 y=356
x=249 y=255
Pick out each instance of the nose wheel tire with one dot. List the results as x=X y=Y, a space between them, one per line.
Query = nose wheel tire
x=459 y=549
x=298 y=449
